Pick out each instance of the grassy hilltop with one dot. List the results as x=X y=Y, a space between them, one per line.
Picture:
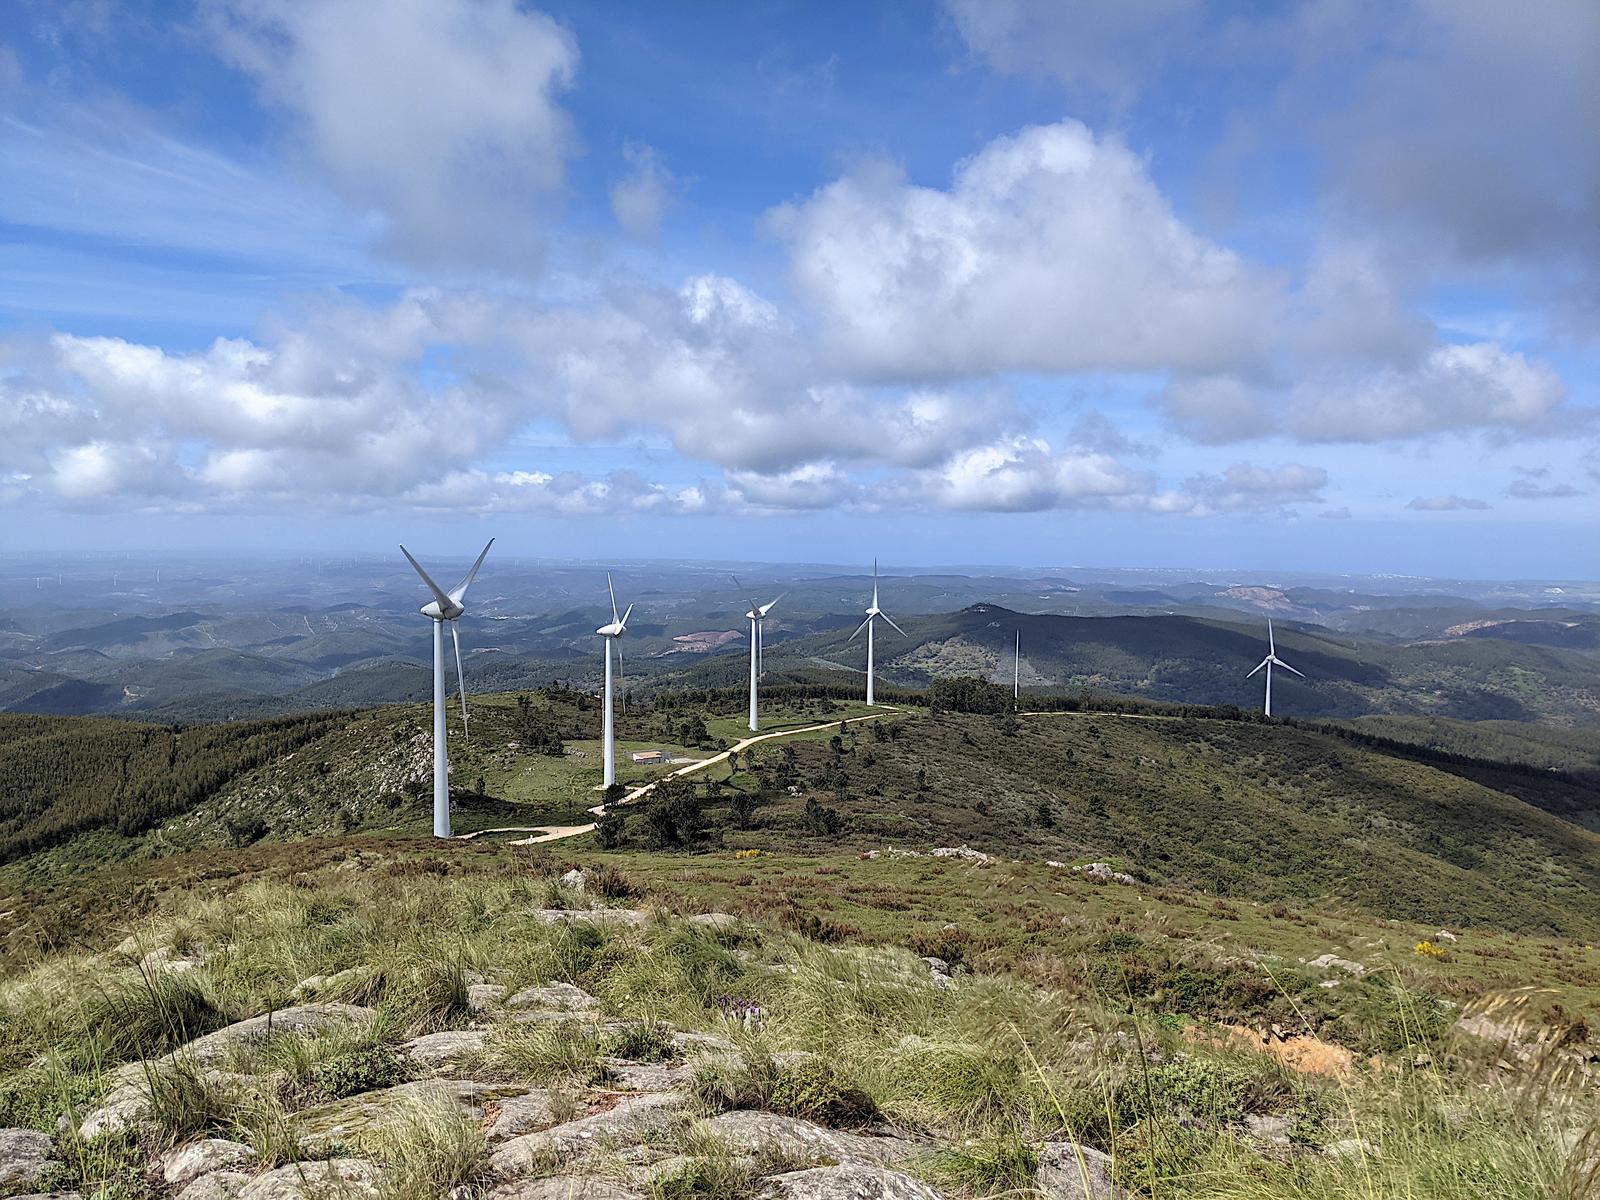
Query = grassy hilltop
x=1327 y=964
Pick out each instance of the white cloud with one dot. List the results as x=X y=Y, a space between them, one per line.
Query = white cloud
x=640 y=198
x=1051 y=251
x=1023 y=474
x=1245 y=487
x=440 y=114
x=1445 y=503
x=1526 y=489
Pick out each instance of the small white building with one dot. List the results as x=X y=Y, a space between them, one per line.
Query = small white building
x=649 y=757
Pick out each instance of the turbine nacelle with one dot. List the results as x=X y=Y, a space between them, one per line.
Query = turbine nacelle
x=432 y=609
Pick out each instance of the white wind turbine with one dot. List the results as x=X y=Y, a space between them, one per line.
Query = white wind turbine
x=873 y=612
x=445 y=606
x=757 y=616
x=612 y=634
x=1268 y=662
x=1016 y=672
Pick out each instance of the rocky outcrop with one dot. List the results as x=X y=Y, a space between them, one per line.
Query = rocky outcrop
x=337 y=1179
x=219 y=1185
x=789 y=1139
x=1068 y=1171
x=25 y=1155
x=340 y=1120
x=591 y=916
x=514 y=1116
x=446 y=1051
x=1099 y=872
x=187 y=1163
x=850 y=1182
x=564 y=1187
x=554 y=997
x=632 y=1121
x=1325 y=961
x=304 y=1020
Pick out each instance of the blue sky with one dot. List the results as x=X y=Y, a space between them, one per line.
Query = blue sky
x=1300 y=286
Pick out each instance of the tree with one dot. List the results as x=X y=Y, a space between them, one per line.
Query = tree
x=742 y=808
x=609 y=829
x=822 y=820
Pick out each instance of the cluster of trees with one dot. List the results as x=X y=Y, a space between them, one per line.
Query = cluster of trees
x=60 y=777
x=536 y=729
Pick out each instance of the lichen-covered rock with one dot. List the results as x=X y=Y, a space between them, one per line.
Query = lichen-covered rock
x=219 y=1185
x=564 y=1187
x=188 y=1163
x=633 y=1120
x=24 y=1158
x=715 y=920
x=445 y=1051
x=554 y=997
x=481 y=997
x=1324 y=961
x=850 y=1182
x=337 y=1179
x=517 y=1115
x=591 y=916
x=303 y=1019
x=648 y=1077
x=792 y=1140
x=1068 y=1171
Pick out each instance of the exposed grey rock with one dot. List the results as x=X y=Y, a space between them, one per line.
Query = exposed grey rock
x=124 y=1105
x=24 y=1157
x=631 y=1121
x=1068 y=1171
x=564 y=1187
x=219 y=1185
x=301 y=1019
x=445 y=1051
x=966 y=853
x=793 y=1140
x=850 y=1182
x=554 y=997
x=1324 y=961
x=187 y=1163
x=517 y=1115
x=591 y=916
x=336 y=1179
x=1352 y=1148
x=1099 y=872
x=481 y=997
x=575 y=879
x=1272 y=1130
x=164 y=958
x=338 y=1120
x=649 y=1077
x=690 y=1041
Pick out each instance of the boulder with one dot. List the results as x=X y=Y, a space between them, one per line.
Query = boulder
x=692 y=1041
x=554 y=997
x=575 y=879
x=303 y=1019
x=1068 y=1171
x=1272 y=1130
x=851 y=1182
x=219 y=1185
x=631 y=1121
x=792 y=1140
x=337 y=1179
x=564 y=1187
x=1099 y=872
x=649 y=1077
x=715 y=920
x=25 y=1155
x=445 y=1051
x=1352 y=1148
x=517 y=1115
x=481 y=997
x=188 y=1163
x=1324 y=961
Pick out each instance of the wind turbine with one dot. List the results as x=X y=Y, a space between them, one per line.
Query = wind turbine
x=445 y=606
x=757 y=614
x=873 y=612
x=1268 y=662
x=1016 y=672
x=612 y=633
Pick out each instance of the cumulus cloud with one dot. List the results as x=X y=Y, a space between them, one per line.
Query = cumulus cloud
x=1527 y=489
x=1445 y=503
x=1335 y=514
x=442 y=115
x=1051 y=250
x=640 y=198
x=1022 y=474
x=1245 y=487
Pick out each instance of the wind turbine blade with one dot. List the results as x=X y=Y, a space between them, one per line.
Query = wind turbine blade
x=1287 y=667
x=896 y=628
x=1271 y=645
x=461 y=678
x=771 y=604
x=625 y=616
x=460 y=589
x=859 y=628
x=439 y=593
x=618 y=643
x=613 y=592
x=1260 y=664
x=874 y=583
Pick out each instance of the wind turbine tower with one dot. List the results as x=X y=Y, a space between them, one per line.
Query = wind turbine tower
x=1268 y=662
x=1016 y=671
x=873 y=613
x=612 y=633
x=757 y=615
x=445 y=606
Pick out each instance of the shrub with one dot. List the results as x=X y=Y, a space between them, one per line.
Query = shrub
x=794 y=1086
x=360 y=1069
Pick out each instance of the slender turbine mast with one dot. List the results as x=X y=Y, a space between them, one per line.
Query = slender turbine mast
x=1016 y=672
x=445 y=606
x=612 y=633
x=873 y=613
x=1268 y=662
x=757 y=615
